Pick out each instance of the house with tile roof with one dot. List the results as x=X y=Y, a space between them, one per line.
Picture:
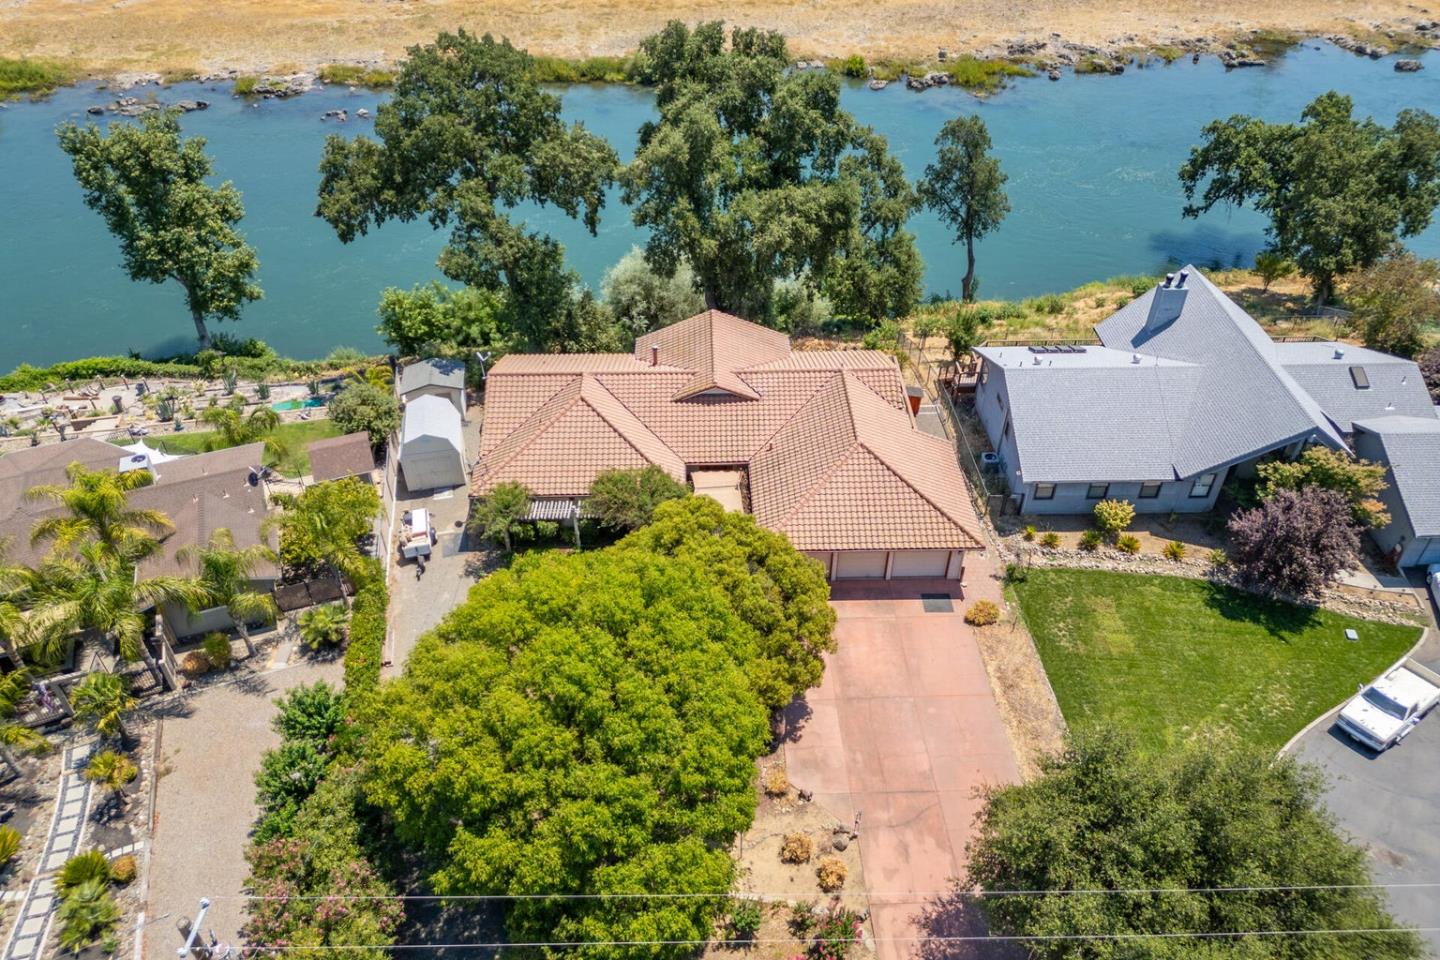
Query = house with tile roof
x=1182 y=390
x=819 y=445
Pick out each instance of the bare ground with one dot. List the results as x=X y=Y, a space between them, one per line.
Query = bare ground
x=109 y=36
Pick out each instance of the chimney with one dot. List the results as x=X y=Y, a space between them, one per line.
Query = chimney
x=654 y=354
x=1167 y=303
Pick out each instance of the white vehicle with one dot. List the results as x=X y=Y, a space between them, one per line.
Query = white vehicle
x=1385 y=712
x=416 y=535
x=1432 y=580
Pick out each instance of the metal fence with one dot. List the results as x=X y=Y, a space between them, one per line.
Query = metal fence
x=956 y=418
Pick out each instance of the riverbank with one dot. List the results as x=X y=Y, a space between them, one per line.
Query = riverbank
x=180 y=39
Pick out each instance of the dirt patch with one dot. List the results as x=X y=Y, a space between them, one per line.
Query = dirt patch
x=788 y=892
x=1022 y=692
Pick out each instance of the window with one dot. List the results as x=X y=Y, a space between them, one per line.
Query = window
x=1097 y=491
x=1150 y=489
x=1044 y=491
x=1202 y=485
x=1360 y=377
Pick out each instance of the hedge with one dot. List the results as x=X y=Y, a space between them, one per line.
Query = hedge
x=26 y=377
x=367 y=634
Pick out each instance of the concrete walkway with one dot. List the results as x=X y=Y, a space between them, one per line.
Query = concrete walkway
x=67 y=833
x=901 y=734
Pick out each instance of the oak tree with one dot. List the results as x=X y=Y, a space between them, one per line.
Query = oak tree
x=966 y=187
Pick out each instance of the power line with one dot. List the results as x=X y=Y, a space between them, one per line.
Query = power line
x=968 y=938
x=899 y=894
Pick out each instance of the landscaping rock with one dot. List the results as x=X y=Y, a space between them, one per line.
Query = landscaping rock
x=1408 y=66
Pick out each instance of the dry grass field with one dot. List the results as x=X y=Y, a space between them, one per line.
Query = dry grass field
x=250 y=36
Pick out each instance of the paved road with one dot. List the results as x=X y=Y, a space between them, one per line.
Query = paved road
x=901 y=732
x=1391 y=804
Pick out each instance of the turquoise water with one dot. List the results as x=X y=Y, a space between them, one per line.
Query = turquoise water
x=1091 y=160
x=298 y=404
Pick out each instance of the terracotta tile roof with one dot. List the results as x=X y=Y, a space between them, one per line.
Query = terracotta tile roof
x=851 y=472
x=818 y=426
x=337 y=457
x=579 y=432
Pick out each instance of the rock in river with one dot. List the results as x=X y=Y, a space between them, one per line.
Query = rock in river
x=1408 y=66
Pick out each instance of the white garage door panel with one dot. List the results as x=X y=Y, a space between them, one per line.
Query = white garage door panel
x=860 y=565
x=920 y=563
x=428 y=471
x=822 y=557
x=1431 y=554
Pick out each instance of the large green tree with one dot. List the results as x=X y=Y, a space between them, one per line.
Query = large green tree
x=468 y=135
x=320 y=527
x=1396 y=300
x=773 y=587
x=364 y=406
x=434 y=320
x=753 y=173
x=583 y=724
x=966 y=187
x=1212 y=814
x=1338 y=191
x=149 y=183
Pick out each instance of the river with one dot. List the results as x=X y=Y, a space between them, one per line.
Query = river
x=1092 y=164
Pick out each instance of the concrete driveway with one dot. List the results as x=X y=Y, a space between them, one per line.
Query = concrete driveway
x=901 y=733
x=1390 y=803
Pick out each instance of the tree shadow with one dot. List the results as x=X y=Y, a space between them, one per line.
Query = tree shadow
x=792 y=722
x=1207 y=246
x=1280 y=618
x=957 y=915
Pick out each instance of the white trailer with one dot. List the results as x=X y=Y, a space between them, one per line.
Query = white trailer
x=416 y=534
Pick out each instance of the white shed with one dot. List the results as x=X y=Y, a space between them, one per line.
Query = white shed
x=432 y=444
x=436 y=378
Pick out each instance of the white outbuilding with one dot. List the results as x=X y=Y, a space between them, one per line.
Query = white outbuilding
x=432 y=444
x=437 y=378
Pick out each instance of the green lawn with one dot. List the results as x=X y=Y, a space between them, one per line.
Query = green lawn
x=1163 y=656
x=296 y=435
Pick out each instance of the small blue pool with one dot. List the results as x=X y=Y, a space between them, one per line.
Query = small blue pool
x=298 y=404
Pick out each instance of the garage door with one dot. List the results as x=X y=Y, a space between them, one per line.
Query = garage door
x=822 y=557
x=860 y=565
x=920 y=563
x=427 y=471
x=1431 y=554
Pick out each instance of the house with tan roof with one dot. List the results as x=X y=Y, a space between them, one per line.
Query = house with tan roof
x=818 y=445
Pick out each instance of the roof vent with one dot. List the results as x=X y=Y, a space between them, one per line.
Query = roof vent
x=1038 y=361
x=1135 y=358
x=1169 y=279
x=1339 y=353
x=1184 y=275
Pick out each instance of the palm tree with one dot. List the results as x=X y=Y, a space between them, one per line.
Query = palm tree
x=236 y=428
x=97 y=508
x=113 y=771
x=103 y=699
x=224 y=581
x=13 y=737
x=323 y=626
x=93 y=590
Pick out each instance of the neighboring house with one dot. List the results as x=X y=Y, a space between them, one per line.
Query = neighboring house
x=1183 y=389
x=435 y=378
x=200 y=494
x=819 y=445
x=432 y=444
x=336 y=458
x=1410 y=449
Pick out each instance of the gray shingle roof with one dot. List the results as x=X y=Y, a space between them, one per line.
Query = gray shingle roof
x=425 y=373
x=1095 y=416
x=1245 y=402
x=1395 y=384
x=1412 y=449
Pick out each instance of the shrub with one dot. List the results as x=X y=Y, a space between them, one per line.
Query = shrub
x=324 y=625
x=642 y=300
x=1129 y=543
x=83 y=868
x=364 y=406
x=245 y=86
x=217 y=650
x=9 y=844
x=1272 y=266
x=774 y=782
x=87 y=912
x=31 y=76
x=1295 y=542
x=288 y=775
x=853 y=66
x=123 y=869
x=982 y=613
x=1050 y=303
x=1016 y=573
x=836 y=932
x=625 y=500
x=1090 y=540
x=1218 y=559
x=831 y=873
x=1051 y=540
x=796 y=848
x=194 y=663
x=745 y=919
x=1029 y=534
x=313 y=713
x=367 y=634
x=357 y=76
x=111 y=770
x=1175 y=550
x=1113 y=516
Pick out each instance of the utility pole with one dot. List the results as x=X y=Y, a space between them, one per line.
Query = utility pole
x=214 y=950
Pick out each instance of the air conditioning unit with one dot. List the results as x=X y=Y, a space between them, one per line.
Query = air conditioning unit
x=990 y=461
